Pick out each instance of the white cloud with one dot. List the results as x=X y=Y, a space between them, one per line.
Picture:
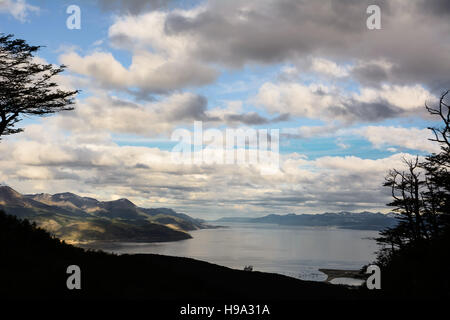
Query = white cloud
x=300 y=100
x=411 y=138
x=149 y=73
x=96 y=166
x=404 y=97
x=160 y=63
x=330 y=103
x=19 y=9
x=112 y=115
x=328 y=67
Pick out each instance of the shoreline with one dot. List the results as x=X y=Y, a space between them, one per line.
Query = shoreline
x=342 y=273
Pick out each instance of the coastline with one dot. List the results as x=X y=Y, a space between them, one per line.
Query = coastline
x=342 y=273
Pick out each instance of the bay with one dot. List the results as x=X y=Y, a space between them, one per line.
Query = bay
x=294 y=251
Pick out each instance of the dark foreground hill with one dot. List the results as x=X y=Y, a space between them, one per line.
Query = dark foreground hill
x=34 y=266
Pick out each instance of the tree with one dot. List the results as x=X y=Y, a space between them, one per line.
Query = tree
x=437 y=168
x=26 y=86
x=406 y=192
x=415 y=252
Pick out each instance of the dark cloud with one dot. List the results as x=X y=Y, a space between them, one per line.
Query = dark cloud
x=194 y=109
x=132 y=6
x=274 y=30
x=141 y=166
x=436 y=7
x=366 y=112
x=253 y=118
x=249 y=118
x=370 y=75
x=237 y=32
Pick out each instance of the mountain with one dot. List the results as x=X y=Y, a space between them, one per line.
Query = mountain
x=77 y=219
x=67 y=200
x=121 y=209
x=24 y=206
x=345 y=220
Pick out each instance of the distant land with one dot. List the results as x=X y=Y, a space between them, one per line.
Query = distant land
x=344 y=220
x=77 y=219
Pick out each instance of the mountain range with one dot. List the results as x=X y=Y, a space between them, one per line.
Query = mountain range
x=79 y=219
x=345 y=220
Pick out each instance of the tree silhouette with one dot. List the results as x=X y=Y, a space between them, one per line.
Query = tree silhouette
x=437 y=166
x=420 y=243
x=26 y=86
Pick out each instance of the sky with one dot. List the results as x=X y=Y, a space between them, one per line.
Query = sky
x=348 y=101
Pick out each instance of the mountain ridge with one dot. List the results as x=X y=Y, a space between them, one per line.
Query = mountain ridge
x=345 y=220
x=82 y=219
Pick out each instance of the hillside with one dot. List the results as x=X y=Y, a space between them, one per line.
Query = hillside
x=344 y=220
x=79 y=219
x=34 y=265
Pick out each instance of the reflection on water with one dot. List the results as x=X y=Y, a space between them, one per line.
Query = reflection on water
x=294 y=251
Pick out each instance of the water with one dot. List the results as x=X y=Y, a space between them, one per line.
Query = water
x=347 y=281
x=290 y=250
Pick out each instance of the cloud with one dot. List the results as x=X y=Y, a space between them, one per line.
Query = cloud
x=372 y=73
x=411 y=138
x=113 y=115
x=331 y=104
x=439 y=8
x=253 y=118
x=320 y=68
x=148 y=73
x=328 y=67
x=54 y=162
x=176 y=49
x=297 y=99
x=333 y=69
x=104 y=114
x=235 y=33
x=132 y=6
x=19 y=9
x=407 y=98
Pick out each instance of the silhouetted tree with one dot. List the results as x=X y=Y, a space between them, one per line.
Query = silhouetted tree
x=405 y=189
x=27 y=86
x=437 y=166
x=415 y=252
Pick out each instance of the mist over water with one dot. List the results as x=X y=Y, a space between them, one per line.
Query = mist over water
x=290 y=250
